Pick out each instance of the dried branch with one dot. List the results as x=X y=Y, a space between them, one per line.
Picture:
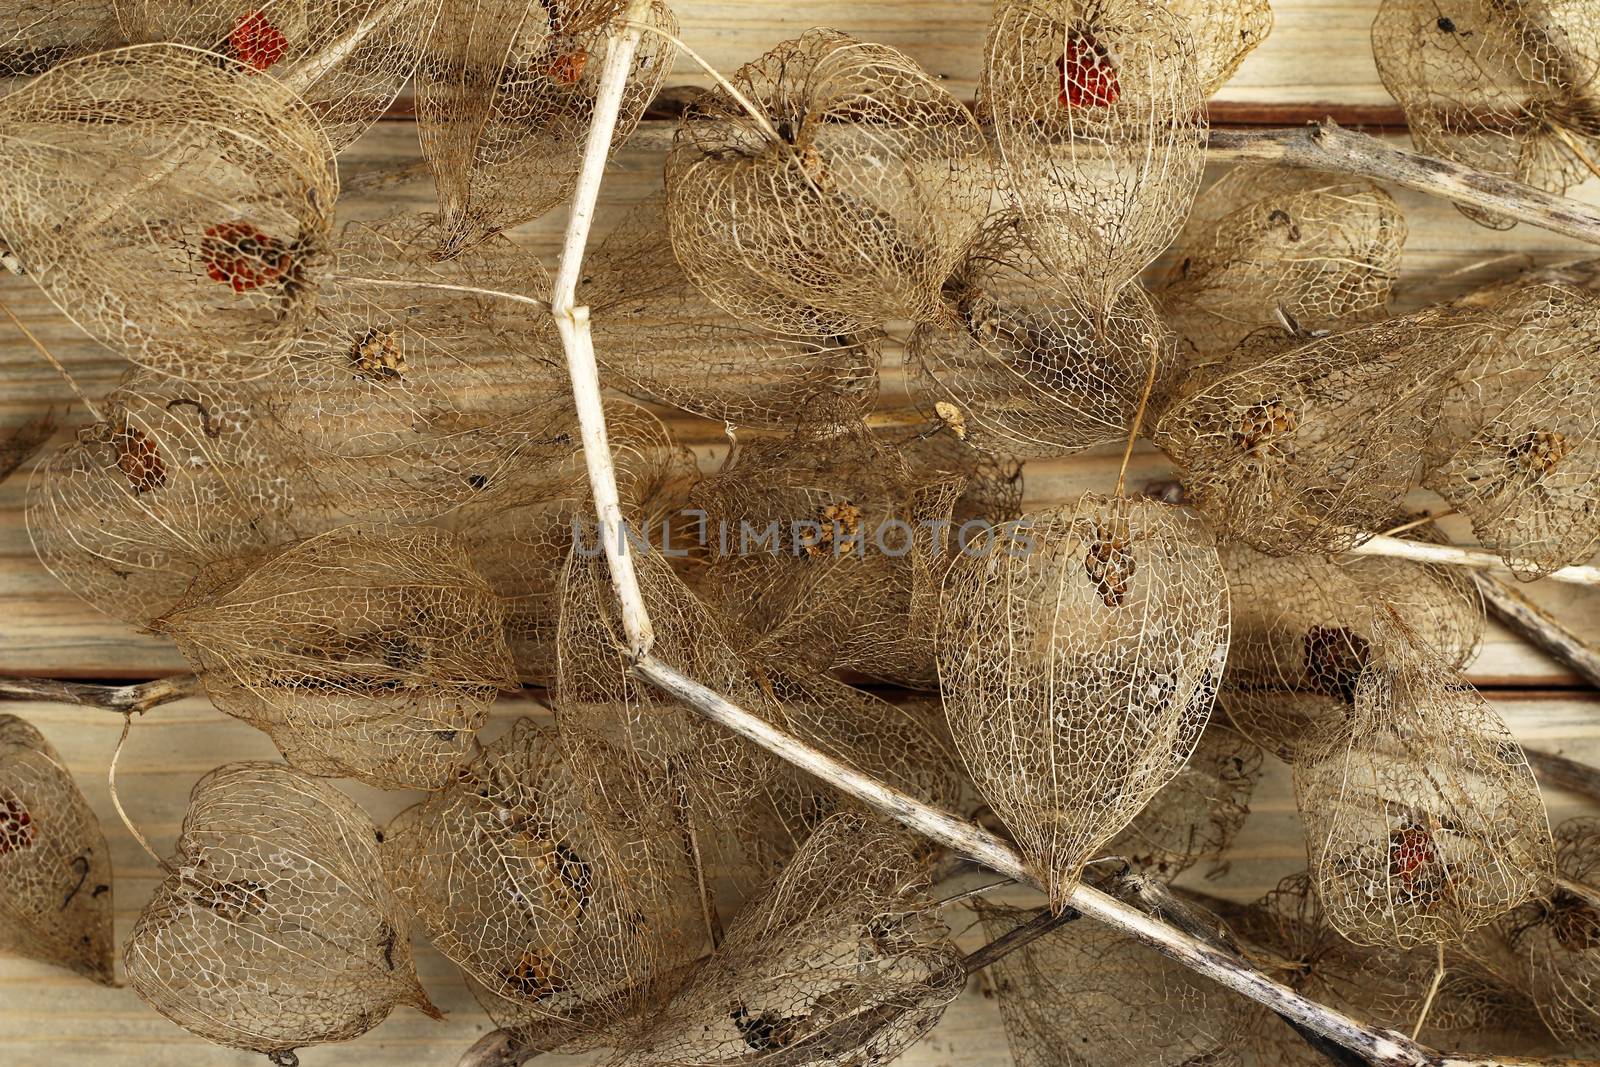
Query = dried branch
x=1457 y=556
x=122 y=699
x=22 y=443
x=1328 y=146
x=1566 y=773
x=1528 y=620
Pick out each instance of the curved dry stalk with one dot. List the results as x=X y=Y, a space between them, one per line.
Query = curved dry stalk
x=1538 y=627
x=123 y=699
x=1330 y=147
x=1458 y=556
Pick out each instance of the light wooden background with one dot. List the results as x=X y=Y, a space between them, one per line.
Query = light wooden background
x=1318 y=61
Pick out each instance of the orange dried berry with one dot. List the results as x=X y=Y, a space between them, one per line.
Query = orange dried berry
x=256 y=43
x=139 y=459
x=1264 y=422
x=16 y=826
x=568 y=65
x=1335 y=656
x=1540 y=451
x=1109 y=563
x=241 y=256
x=534 y=977
x=1414 y=864
x=839 y=522
x=1088 y=77
x=377 y=357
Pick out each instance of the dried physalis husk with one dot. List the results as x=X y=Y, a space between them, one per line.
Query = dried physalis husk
x=1089 y=996
x=1305 y=628
x=842 y=962
x=1556 y=938
x=505 y=94
x=55 y=868
x=274 y=928
x=1312 y=447
x=348 y=59
x=36 y=35
x=176 y=477
x=993 y=492
x=1225 y=32
x=846 y=205
x=1027 y=368
x=659 y=338
x=1287 y=935
x=1079 y=654
x=1517 y=449
x=1506 y=88
x=1267 y=245
x=369 y=651
x=548 y=876
x=1196 y=816
x=521 y=551
x=1099 y=121
x=172 y=205
x=408 y=401
x=595 y=688
x=1423 y=821
x=822 y=546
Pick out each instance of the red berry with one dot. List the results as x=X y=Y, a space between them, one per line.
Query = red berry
x=239 y=255
x=16 y=826
x=257 y=43
x=1088 y=77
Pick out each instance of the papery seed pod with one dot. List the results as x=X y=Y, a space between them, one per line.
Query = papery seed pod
x=175 y=477
x=1557 y=938
x=1267 y=245
x=549 y=877
x=187 y=229
x=36 y=35
x=1311 y=446
x=993 y=492
x=661 y=339
x=1224 y=34
x=1506 y=88
x=505 y=94
x=347 y=58
x=845 y=206
x=1028 y=369
x=407 y=401
x=274 y=928
x=1098 y=117
x=55 y=868
x=825 y=545
x=1196 y=816
x=1423 y=822
x=842 y=962
x=370 y=651
x=1305 y=628
x=1079 y=656
x=1518 y=446
x=1287 y=935
x=1088 y=995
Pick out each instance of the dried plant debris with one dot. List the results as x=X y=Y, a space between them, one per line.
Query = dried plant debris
x=1423 y=821
x=1270 y=245
x=1556 y=939
x=1518 y=445
x=659 y=338
x=175 y=477
x=1103 y=156
x=55 y=868
x=1310 y=446
x=1306 y=628
x=1028 y=369
x=505 y=93
x=1508 y=88
x=36 y=35
x=1079 y=657
x=187 y=230
x=842 y=962
x=1225 y=32
x=551 y=878
x=347 y=58
x=1196 y=816
x=369 y=651
x=408 y=401
x=274 y=928
x=826 y=550
x=844 y=205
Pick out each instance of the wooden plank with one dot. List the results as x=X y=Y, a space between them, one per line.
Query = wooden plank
x=45 y=630
x=47 y=1014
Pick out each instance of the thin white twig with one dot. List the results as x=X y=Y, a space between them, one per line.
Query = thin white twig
x=1457 y=556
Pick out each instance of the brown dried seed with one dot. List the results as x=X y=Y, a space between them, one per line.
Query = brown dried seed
x=377 y=356
x=1540 y=451
x=839 y=522
x=1262 y=423
x=232 y=900
x=535 y=977
x=139 y=459
x=1110 y=564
